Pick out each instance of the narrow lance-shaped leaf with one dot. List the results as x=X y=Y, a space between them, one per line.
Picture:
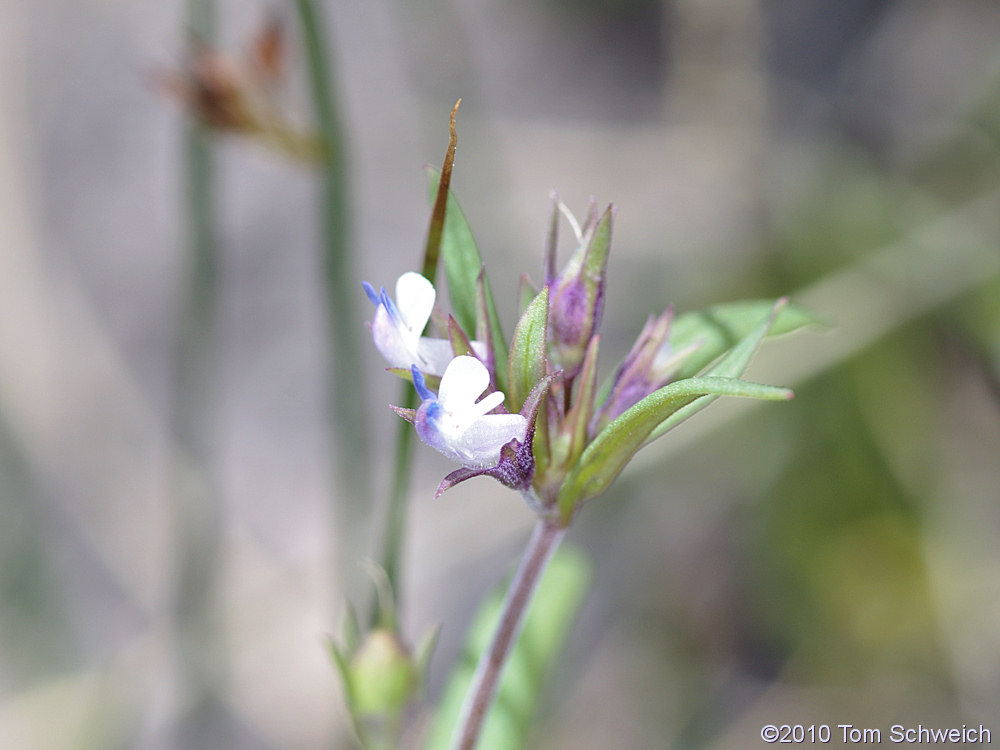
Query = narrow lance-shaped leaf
x=527 y=351
x=732 y=365
x=440 y=195
x=614 y=447
x=462 y=266
x=552 y=613
x=722 y=326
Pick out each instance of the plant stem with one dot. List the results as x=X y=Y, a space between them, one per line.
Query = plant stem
x=545 y=539
x=395 y=523
x=341 y=288
x=194 y=500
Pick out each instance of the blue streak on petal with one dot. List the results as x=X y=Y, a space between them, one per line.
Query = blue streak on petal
x=391 y=308
x=421 y=385
x=434 y=414
x=370 y=291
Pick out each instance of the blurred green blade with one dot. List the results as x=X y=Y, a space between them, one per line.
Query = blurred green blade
x=527 y=350
x=617 y=443
x=721 y=327
x=553 y=611
x=462 y=266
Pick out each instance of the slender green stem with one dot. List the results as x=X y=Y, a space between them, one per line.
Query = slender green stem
x=342 y=292
x=196 y=512
x=545 y=539
x=395 y=524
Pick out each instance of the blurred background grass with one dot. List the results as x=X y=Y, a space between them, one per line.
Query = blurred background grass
x=831 y=560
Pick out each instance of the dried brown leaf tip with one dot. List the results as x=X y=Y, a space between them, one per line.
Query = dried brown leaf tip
x=270 y=49
x=242 y=95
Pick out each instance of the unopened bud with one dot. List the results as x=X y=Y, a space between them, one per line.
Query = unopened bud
x=383 y=675
x=577 y=296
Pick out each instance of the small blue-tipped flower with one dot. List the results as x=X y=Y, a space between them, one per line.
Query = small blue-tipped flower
x=516 y=466
x=458 y=426
x=397 y=326
x=577 y=293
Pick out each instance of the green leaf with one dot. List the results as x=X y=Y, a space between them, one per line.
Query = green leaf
x=462 y=267
x=722 y=326
x=732 y=365
x=608 y=453
x=553 y=611
x=527 y=351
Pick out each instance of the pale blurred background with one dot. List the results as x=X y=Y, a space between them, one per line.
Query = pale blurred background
x=833 y=560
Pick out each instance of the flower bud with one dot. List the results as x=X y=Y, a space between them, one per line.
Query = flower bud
x=383 y=675
x=577 y=295
x=649 y=366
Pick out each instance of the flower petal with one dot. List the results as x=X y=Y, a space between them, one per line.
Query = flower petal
x=391 y=340
x=462 y=383
x=488 y=403
x=481 y=442
x=434 y=355
x=415 y=297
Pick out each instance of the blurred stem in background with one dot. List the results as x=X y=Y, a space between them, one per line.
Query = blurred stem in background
x=340 y=284
x=195 y=501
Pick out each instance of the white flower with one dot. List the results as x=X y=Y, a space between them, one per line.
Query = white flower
x=455 y=424
x=397 y=326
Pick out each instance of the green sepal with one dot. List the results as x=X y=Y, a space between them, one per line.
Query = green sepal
x=609 y=452
x=526 y=365
x=460 y=344
x=551 y=243
x=410 y=415
x=574 y=428
x=340 y=661
x=526 y=291
x=541 y=446
x=551 y=614
x=489 y=332
x=463 y=265
x=595 y=262
x=721 y=327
